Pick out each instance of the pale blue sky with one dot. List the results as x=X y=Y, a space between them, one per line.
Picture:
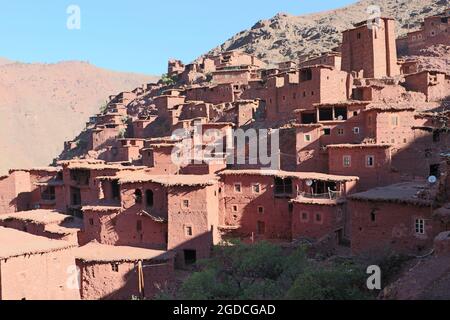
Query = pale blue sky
x=133 y=35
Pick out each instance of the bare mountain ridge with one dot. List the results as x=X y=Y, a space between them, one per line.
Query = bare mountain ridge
x=287 y=37
x=43 y=105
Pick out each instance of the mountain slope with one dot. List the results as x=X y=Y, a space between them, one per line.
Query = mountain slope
x=43 y=105
x=287 y=37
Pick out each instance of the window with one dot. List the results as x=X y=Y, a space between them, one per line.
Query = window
x=436 y=136
x=347 y=161
x=304 y=216
x=190 y=257
x=307 y=138
x=326 y=131
x=341 y=132
x=139 y=226
x=48 y=193
x=318 y=217
x=185 y=203
x=420 y=226
x=283 y=187
x=115 y=267
x=370 y=161
x=358 y=35
x=138 y=196
x=260 y=209
x=256 y=188
x=237 y=187
x=356 y=130
x=235 y=208
x=188 y=231
x=394 y=121
x=91 y=222
x=149 y=198
x=373 y=216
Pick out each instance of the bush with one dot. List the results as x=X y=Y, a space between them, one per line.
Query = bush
x=264 y=271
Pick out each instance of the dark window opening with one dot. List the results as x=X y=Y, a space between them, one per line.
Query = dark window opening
x=308 y=118
x=149 y=198
x=373 y=216
x=190 y=257
x=326 y=114
x=138 y=196
x=435 y=170
x=306 y=75
x=115 y=267
x=75 y=196
x=326 y=131
x=48 y=194
x=115 y=190
x=91 y=221
x=436 y=136
x=341 y=113
x=283 y=187
x=81 y=177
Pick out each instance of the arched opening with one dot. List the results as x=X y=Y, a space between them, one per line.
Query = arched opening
x=149 y=198
x=138 y=196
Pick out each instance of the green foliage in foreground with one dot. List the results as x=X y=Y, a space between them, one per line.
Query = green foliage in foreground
x=265 y=271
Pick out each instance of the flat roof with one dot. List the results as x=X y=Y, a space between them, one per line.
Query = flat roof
x=360 y=146
x=21 y=243
x=406 y=192
x=323 y=202
x=165 y=180
x=47 y=169
x=37 y=216
x=286 y=174
x=95 y=252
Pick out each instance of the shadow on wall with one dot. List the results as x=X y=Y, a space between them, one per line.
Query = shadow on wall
x=142 y=282
x=420 y=158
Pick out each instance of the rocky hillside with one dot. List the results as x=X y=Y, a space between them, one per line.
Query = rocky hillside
x=287 y=37
x=43 y=105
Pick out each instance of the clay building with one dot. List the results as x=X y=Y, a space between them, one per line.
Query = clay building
x=122 y=273
x=256 y=204
x=44 y=223
x=434 y=31
x=371 y=51
x=395 y=218
x=35 y=268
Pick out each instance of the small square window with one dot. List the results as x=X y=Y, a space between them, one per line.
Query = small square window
x=237 y=187
x=347 y=161
x=355 y=113
x=260 y=210
x=394 y=121
x=318 y=217
x=420 y=226
x=185 y=203
x=115 y=267
x=341 y=132
x=326 y=131
x=256 y=188
x=370 y=161
x=188 y=231
x=356 y=130
x=308 y=138
x=304 y=216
